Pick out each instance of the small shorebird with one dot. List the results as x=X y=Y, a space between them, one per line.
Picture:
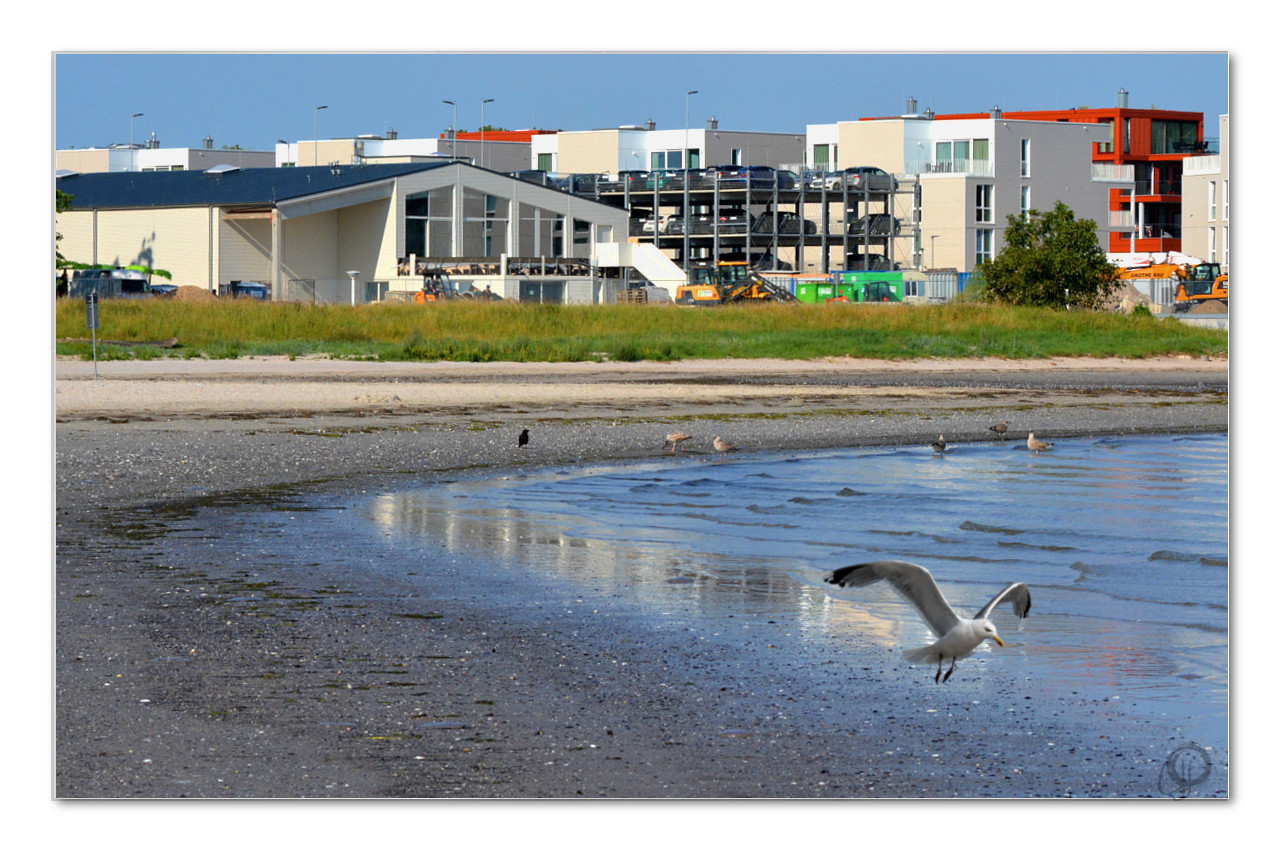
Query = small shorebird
x=721 y=445
x=1036 y=444
x=957 y=636
x=524 y=438
x=1000 y=429
x=939 y=445
x=675 y=438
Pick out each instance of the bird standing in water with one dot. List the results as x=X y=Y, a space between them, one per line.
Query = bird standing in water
x=1035 y=444
x=721 y=445
x=940 y=445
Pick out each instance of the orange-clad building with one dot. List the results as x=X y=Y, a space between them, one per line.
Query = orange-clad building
x=1152 y=144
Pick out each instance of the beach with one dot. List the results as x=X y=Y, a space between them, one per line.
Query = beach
x=173 y=681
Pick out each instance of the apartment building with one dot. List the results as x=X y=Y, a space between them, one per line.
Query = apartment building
x=960 y=179
x=645 y=148
x=501 y=151
x=150 y=157
x=1206 y=200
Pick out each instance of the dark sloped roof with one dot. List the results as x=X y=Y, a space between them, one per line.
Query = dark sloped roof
x=249 y=187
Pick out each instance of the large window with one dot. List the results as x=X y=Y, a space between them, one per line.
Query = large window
x=544 y=162
x=538 y=229
x=982 y=242
x=666 y=160
x=1173 y=137
x=982 y=204
x=484 y=224
x=428 y=223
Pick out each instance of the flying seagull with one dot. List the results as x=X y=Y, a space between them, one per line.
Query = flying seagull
x=1000 y=429
x=957 y=636
x=721 y=445
x=675 y=438
x=939 y=445
x=524 y=438
x=1036 y=444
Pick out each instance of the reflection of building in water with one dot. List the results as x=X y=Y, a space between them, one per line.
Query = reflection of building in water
x=656 y=573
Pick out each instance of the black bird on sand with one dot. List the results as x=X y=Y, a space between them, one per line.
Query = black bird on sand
x=524 y=438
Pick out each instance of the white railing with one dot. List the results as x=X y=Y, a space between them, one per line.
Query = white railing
x=1118 y=172
x=1210 y=164
x=959 y=166
x=1120 y=219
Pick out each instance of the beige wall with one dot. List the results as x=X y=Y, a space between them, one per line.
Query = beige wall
x=871 y=143
x=174 y=239
x=89 y=160
x=589 y=151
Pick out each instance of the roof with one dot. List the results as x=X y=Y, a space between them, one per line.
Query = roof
x=240 y=187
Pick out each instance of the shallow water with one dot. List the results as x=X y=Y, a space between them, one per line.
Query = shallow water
x=1123 y=541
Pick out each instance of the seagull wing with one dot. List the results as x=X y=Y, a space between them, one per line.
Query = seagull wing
x=912 y=582
x=1018 y=594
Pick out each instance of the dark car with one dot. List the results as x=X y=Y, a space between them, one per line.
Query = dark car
x=874 y=225
x=788 y=223
x=860 y=178
x=874 y=262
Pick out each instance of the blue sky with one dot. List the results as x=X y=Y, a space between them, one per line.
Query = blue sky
x=253 y=99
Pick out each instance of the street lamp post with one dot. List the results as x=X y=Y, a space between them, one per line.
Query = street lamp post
x=686 y=127
x=133 y=157
x=453 y=143
x=482 y=103
x=353 y=274
x=684 y=158
x=315 y=148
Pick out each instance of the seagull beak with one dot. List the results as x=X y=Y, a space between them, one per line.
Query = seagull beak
x=1000 y=641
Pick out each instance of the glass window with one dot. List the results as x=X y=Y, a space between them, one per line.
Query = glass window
x=982 y=207
x=484 y=224
x=983 y=239
x=822 y=157
x=982 y=149
x=942 y=156
x=1213 y=200
x=428 y=223
x=1026 y=158
x=1025 y=204
x=544 y=162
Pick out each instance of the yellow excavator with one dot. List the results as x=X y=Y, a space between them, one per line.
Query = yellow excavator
x=729 y=281
x=1197 y=282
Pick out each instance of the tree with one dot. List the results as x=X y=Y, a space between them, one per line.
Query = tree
x=1051 y=260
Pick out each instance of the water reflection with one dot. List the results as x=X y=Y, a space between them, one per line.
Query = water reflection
x=1123 y=541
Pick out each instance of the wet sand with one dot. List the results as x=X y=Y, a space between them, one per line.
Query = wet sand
x=213 y=679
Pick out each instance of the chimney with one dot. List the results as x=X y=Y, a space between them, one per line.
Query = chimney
x=713 y=123
x=995 y=111
x=1123 y=101
x=391 y=133
x=208 y=143
x=649 y=124
x=928 y=114
x=912 y=107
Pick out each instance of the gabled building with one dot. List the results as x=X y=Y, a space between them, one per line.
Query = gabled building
x=333 y=233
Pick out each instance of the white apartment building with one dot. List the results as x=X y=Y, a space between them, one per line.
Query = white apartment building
x=1206 y=200
x=498 y=155
x=637 y=148
x=959 y=179
x=150 y=157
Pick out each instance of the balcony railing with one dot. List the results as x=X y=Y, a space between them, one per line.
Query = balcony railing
x=1149 y=187
x=976 y=168
x=1117 y=172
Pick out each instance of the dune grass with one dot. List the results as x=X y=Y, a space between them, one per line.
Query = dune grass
x=508 y=331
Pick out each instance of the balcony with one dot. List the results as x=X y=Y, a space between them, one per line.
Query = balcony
x=966 y=167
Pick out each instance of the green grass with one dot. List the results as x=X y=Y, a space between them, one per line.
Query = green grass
x=508 y=331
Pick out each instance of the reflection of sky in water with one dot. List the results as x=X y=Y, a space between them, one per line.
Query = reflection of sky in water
x=1123 y=541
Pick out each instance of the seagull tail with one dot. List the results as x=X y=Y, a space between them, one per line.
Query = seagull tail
x=924 y=654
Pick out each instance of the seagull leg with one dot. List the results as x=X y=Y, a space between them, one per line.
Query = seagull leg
x=948 y=675
x=939 y=672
